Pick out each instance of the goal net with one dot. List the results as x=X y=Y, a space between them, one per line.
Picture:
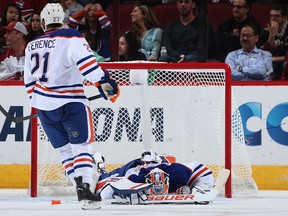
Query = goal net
x=184 y=110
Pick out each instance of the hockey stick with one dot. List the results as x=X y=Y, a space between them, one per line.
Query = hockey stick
x=21 y=119
x=16 y=119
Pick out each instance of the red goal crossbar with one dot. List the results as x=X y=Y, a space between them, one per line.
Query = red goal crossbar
x=128 y=65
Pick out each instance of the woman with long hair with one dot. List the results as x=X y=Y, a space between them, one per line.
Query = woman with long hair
x=146 y=26
x=129 y=48
x=35 y=27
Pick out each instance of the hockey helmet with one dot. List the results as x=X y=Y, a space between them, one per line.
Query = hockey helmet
x=159 y=180
x=52 y=13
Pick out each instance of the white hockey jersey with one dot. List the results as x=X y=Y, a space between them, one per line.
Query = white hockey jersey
x=54 y=65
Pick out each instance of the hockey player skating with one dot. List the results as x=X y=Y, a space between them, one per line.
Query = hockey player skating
x=161 y=176
x=54 y=65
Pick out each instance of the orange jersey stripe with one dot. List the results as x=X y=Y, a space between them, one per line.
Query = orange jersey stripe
x=61 y=92
x=87 y=64
x=68 y=165
x=101 y=184
x=83 y=160
x=137 y=185
x=196 y=176
x=30 y=91
x=92 y=138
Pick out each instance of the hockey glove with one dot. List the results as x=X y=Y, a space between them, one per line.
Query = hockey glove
x=108 y=88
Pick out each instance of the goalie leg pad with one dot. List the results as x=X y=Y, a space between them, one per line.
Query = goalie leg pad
x=126 y=187
x=100 y=162
x=137 y=198
x=128 y=192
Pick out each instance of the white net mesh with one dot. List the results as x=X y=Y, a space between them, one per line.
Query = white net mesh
x=179 y=112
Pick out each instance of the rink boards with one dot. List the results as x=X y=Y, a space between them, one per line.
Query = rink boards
x=264 y=110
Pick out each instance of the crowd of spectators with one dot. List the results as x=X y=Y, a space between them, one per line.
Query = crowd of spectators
x=240 y=41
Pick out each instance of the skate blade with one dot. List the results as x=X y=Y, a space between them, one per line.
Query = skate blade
x=91 y=205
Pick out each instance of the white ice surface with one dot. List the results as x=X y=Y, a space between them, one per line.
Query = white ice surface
x=272 y=203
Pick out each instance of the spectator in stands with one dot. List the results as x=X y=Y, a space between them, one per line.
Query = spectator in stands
x=35 y=27
x=181 y=36
x=275 y=39
x=96 y=28
x=70 y=7
x=146 y=26
x=104 y=3
x=11 y=13
x=227 y=36
x=249 y=62
x=12 y=67
x=129 y=48
x=53 y=1
x=27 y=7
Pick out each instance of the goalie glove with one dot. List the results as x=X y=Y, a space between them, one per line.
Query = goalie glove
x=108 y=88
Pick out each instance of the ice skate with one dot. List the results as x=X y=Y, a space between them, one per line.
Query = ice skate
x=90 y=200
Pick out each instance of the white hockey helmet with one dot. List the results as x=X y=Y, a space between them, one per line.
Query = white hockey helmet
x=52 y=13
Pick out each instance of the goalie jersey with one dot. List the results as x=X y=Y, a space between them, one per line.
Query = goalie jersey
x=64 y=82
x=179 y=174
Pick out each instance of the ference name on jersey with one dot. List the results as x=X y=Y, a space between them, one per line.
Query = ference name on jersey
x=44 y=43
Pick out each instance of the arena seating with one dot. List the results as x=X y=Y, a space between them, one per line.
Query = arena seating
x=166 y=13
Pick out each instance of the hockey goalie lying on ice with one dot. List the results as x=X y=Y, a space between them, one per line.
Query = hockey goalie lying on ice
x=153 y=179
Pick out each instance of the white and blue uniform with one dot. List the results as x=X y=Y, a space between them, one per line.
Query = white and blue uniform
x=55 y=64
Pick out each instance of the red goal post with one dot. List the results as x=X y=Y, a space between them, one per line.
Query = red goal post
x=188 y=98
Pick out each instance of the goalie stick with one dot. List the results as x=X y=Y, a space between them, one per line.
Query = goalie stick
x=24 y=118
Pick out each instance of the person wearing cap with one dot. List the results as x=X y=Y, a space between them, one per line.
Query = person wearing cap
x=11 y=13
x=12 y=67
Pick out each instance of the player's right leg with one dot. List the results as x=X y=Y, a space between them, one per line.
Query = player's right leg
x=53 y=127
x=78 y=124
x=71 y=123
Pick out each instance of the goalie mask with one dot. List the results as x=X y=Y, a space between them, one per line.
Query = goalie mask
x=159 y=180
x=52 y=13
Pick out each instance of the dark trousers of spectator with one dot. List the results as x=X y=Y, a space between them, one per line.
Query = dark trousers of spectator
x=278 y=68
x=189 y=57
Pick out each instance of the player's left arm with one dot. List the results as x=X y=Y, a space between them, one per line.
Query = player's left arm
x=88 y=66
